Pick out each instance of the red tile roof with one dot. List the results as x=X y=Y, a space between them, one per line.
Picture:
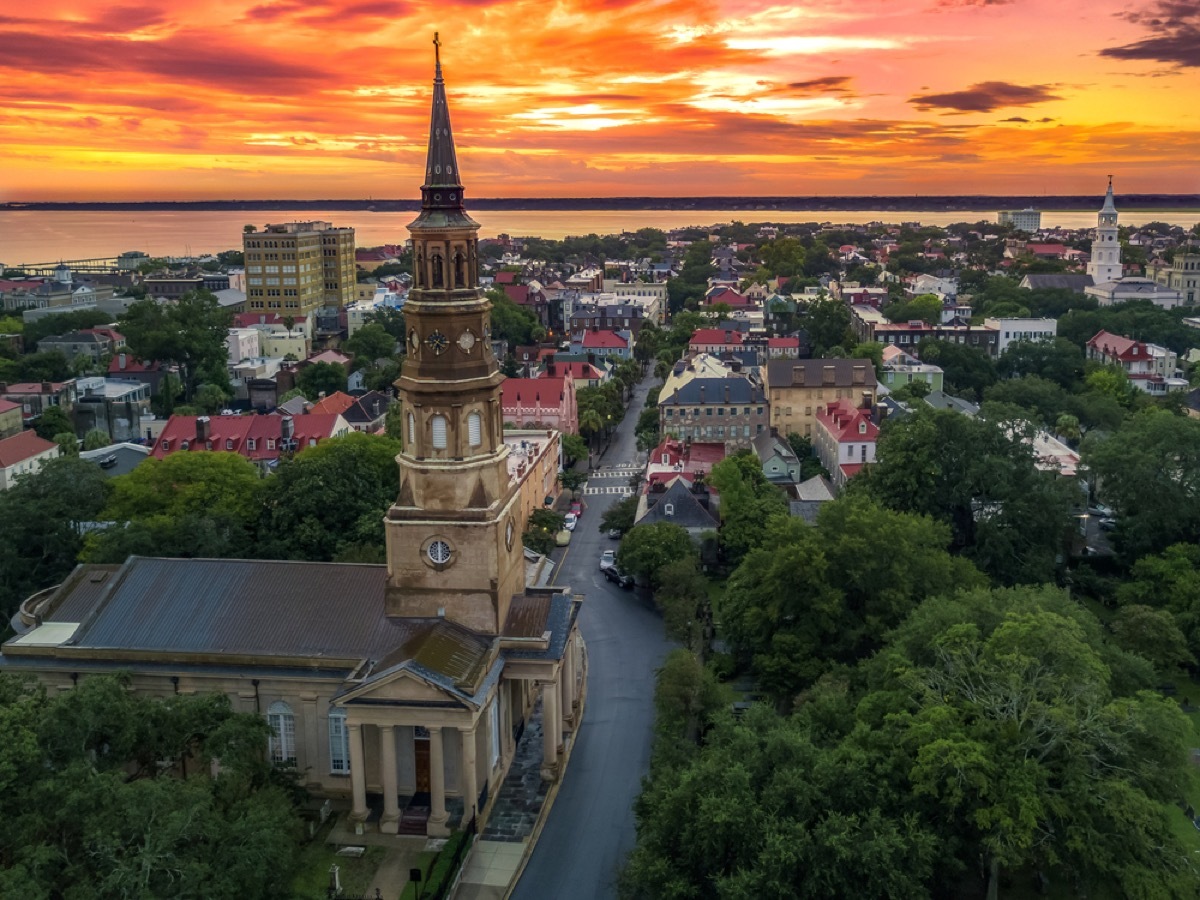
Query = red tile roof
x=21 y=447
x=125 y=363
x=1119 y=346
x=842 y=419
x=545 y=391
x=576 y=370
x=707 y=336
x=784 y=342
x=506 y=278
x=34 y=387
x=603 y=340
x=336 y=403
x=234 y=433
x=9 y=406
x=517 y=293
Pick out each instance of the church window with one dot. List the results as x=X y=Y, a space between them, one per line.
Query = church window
x=436 y=262
x=474 y=429
x=459 y=276
x=439 y=552
x=438 y=426
x=283 y=734
x=339 y=743
x=412 y=431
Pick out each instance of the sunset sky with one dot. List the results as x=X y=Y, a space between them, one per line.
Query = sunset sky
x=305 y=99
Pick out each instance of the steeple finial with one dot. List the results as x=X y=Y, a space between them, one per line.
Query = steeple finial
x=443 y=189
x=437 y=56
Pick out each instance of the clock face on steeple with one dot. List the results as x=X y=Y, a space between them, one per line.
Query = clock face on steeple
x=437 y=342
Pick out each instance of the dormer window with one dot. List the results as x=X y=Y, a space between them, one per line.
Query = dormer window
x=183 y=445
x=669 y=509
x=252 y=444
x=228 y=443
x=270 y=443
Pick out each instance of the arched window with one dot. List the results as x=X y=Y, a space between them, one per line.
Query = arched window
x=438 y=425
x=339 y=743
x=474 y=429
x=283 y=734
x=412 y=432
x=435 y=261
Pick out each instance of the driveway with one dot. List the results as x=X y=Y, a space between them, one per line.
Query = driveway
x=591 y=828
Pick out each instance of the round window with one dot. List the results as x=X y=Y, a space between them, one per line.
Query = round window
x=439 y=552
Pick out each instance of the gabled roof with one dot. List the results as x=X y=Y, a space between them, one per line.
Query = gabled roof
x=1066 y=280
x=706 y=336
x=603 y=340
x=9 y=406
x=575 y=369
x=22 y=446
x=517 y=293
x=1119 y=346
x=810 y=373
x=847 y=423
x=714 y=390
x=685 y=510
x=337 y=402
x=546 y=391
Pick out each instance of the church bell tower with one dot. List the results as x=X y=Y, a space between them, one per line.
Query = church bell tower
x=454 y=533
x=1105 y=264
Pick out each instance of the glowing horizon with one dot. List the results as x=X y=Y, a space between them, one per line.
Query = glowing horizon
x=325 y=99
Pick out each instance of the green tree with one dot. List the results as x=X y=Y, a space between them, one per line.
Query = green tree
x=369 y=343
x=748 y=501
x=321 y=378
x=68 y=444
x=95 y=439
x=967 y=371
x=52 y=422
x=647 y=549
x=574 y=448
x=541 y=529
x=330 y=499
x=190 y=332
x=1044 y=400
x=211 y=398
x=182 y=484
x=511 y=322
x=924 y=307
x=572 y=479
x=980 y=478
x=1168 y=581
x=90 y=803
x=391 y=320
x=1056 y=360
x=1150 y=470
x=620 y=515
x=683 y=597
x=828 y=325
x=40 y=519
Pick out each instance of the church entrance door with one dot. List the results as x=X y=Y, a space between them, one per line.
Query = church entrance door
x=421 y=760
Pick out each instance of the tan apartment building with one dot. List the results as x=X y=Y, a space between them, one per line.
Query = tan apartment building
x=297 y=268
x=798 y=389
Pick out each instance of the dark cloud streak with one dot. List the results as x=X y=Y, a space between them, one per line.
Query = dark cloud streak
x=986 y=96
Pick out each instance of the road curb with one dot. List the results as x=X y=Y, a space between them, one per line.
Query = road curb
x=552 y=794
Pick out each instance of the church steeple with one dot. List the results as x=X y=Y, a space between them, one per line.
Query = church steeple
x=453 y=534
x=1105 y=264
x=442 y=191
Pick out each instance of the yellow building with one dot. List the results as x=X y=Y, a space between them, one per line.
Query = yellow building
x=798 y=389
x=299 y=267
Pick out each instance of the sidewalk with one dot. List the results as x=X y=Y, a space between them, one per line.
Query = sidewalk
x=518 y=813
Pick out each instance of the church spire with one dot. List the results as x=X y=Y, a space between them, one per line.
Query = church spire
x=443 y=189
x=1109 y=206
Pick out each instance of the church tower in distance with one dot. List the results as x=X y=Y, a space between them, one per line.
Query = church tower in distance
x=454 y=533
x=1105 y=264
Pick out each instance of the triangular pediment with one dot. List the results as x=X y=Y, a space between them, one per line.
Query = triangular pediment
x=401 y=685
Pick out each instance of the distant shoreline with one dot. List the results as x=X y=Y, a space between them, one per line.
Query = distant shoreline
x=764 y=205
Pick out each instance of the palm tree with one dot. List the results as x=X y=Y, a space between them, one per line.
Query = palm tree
x=590 y=424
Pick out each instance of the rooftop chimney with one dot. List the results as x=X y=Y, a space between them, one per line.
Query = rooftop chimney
x=287 y=427
x=47 y=387
x=203 y=428
x=868 y=401
x=121 y=359
x=727 y=393
x=827 y=375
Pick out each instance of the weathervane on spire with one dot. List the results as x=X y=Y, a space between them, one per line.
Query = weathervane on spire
x=1109 y=177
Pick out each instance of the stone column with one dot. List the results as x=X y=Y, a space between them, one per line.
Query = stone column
x=437 y=785
x=312 y=754
x=566 y=709
x=506 y=718
x=549 y=730
x=358 y=774
x=390 y=823
x=470 y=785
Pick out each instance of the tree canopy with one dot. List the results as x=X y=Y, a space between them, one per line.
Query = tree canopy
x=189 y=332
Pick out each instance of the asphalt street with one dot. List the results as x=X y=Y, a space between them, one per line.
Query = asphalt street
x=591 y=827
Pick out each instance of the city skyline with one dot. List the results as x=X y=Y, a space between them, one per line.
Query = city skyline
x=206 y=99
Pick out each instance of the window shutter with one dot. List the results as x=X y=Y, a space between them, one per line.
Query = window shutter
x=474 y=429
x=438 y=426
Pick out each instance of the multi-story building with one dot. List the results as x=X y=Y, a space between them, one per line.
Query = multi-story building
x=297 y=268
x=1184 y=274
x=909 y=334
x=1150 y=368
x=547 y=402
x=1028 y=220
x=24 y=454
x=900 y=368
x=1010 y=330
x=1108 y=293
x=728 y=410
x=845 y=439
x=799 y=388
x=36 y=397
x=115 y=407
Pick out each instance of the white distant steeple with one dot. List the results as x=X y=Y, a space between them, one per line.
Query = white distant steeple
x=1105 y=264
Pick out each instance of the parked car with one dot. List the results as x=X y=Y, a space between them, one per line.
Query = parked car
x=109 y=461
x=615 y=575
x=576 y=508
x=608 y=559
x=562 y=538
x=1108 y=523
x=570 y=521
x=1100 y=509
x=614 y=533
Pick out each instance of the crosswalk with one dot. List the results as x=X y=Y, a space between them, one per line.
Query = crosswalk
x=624 y=491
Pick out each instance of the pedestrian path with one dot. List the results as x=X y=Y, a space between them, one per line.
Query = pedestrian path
x=623 y=490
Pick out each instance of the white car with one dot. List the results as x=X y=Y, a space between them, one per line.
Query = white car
x=570 y=521
x=608 y=559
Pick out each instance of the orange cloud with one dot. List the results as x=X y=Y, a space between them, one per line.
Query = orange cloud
x=329 y=98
